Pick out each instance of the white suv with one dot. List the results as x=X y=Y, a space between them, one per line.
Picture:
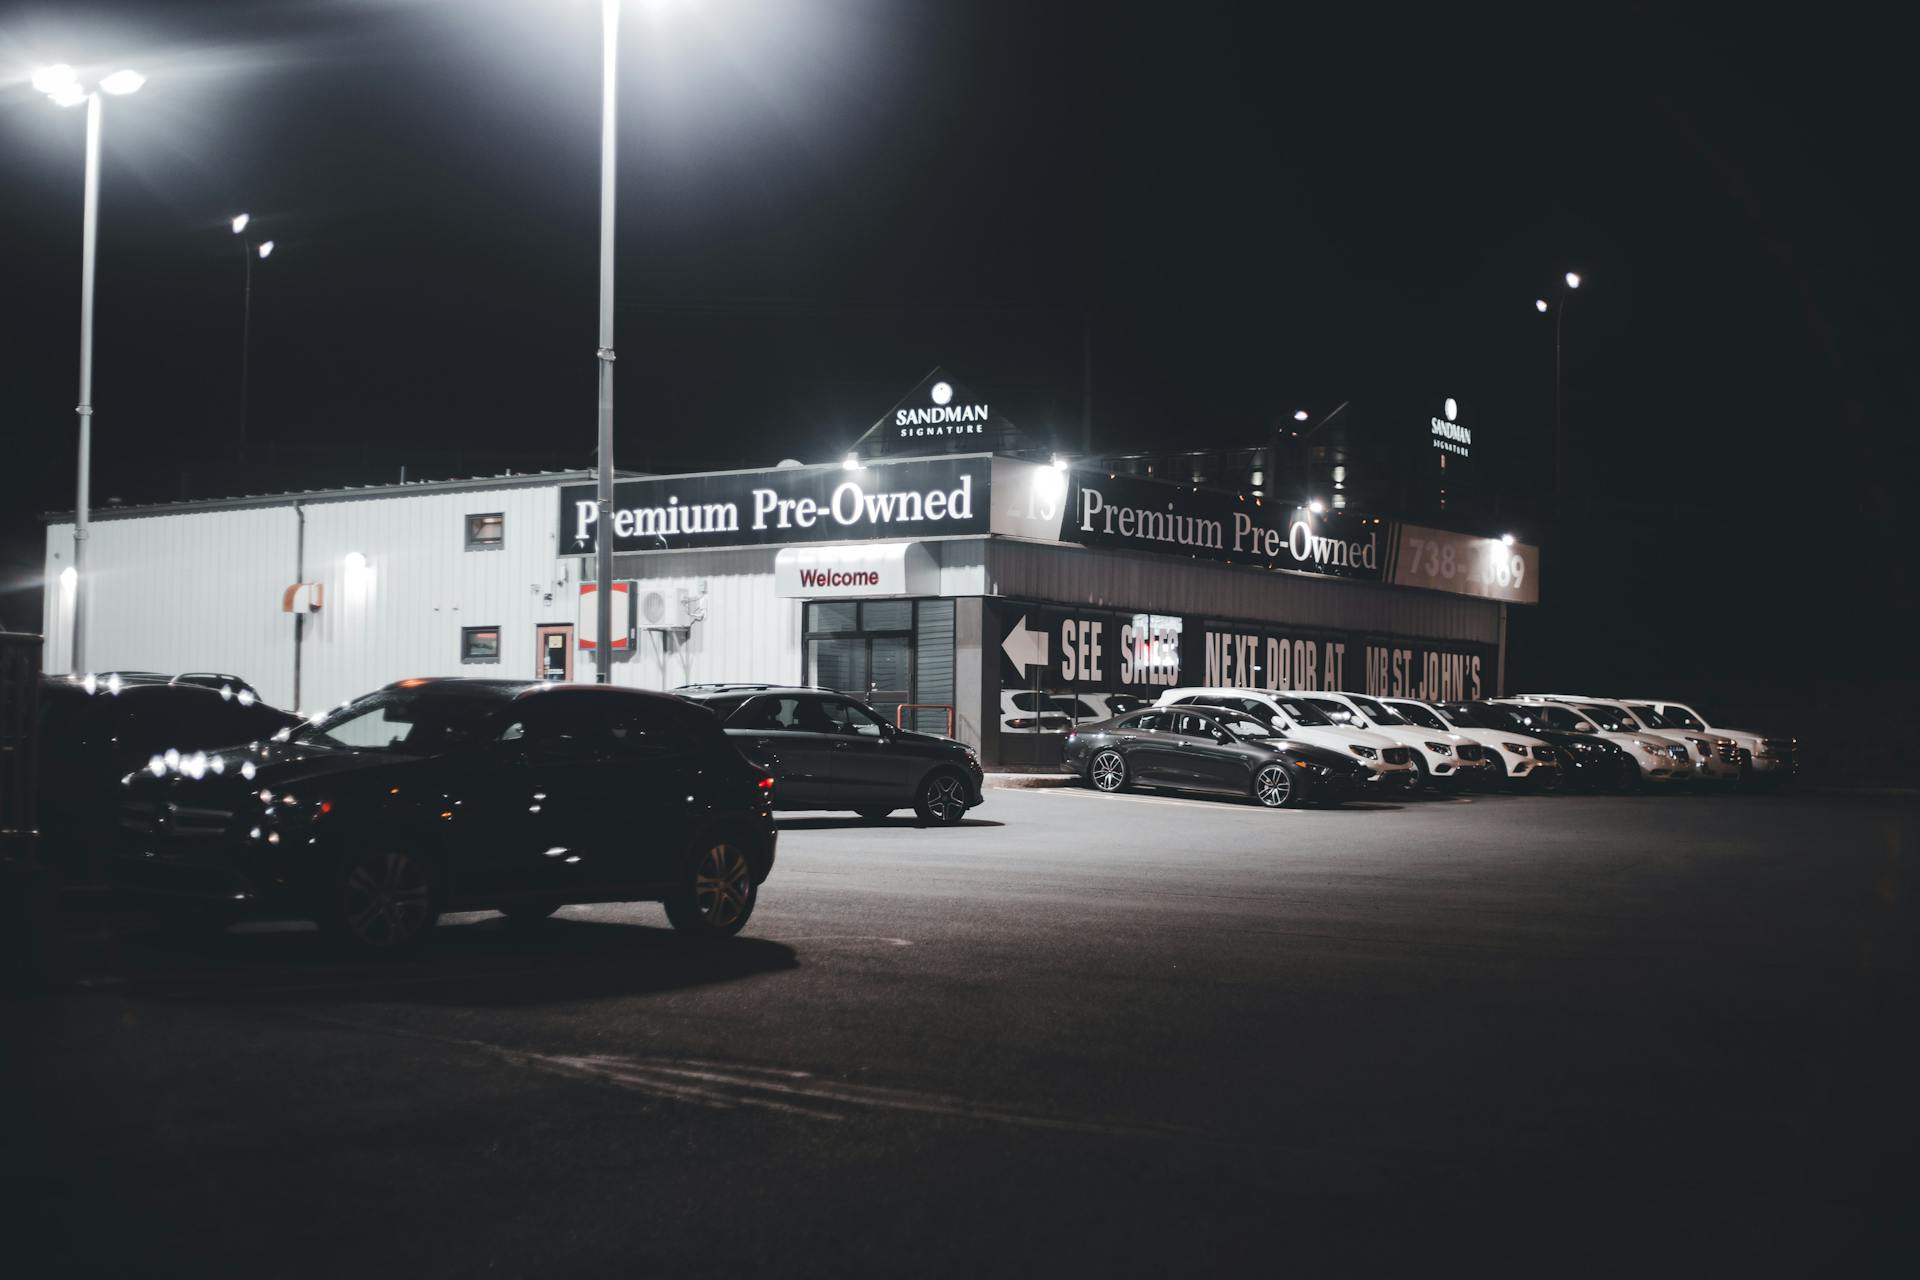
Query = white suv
x=1508 y=755
x=1661 y=759
x=1760 y=757
x=1714 y=758
x=1294 y=716
x=1441 y=755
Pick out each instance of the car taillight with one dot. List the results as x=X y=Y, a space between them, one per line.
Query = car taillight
x=766 y=783
x=1020 y=722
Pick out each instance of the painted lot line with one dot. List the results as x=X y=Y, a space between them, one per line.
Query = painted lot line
x=1178 y=802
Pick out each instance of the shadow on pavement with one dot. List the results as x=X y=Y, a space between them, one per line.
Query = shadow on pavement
x=471 y=960
x=837 y=822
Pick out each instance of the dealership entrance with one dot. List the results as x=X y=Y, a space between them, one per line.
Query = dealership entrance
x=893 y=653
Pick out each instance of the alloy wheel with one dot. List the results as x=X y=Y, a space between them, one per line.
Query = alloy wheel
x=1108 y=771
x=946 y=799
x=722 y=886
x=387 y=901
x=1273 y=786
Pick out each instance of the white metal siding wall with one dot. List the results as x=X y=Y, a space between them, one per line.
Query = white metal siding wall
x=749 y=633
x=403 y=614
x=1072 y=575
x=189 y=592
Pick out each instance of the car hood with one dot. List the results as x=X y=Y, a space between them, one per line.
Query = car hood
x=933 y=741
x=265 y=764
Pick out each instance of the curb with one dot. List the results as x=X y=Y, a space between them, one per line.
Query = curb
x=1026 y=781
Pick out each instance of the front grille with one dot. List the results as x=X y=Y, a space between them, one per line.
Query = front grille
x=1395 y=755
x=1678 y=753
x=190 y=822
x=197 y=822
x=137 y=816
x=1543 y=753
x=1467 y=752
x=1729 y=751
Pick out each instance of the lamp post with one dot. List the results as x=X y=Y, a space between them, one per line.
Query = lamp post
x=1541 y=305
x=248 y=252
x=60 y=83
x=603 y=461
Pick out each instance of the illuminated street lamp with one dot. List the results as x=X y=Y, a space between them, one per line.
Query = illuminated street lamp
x=603 y=460
x=248 y=252
x=1559 y=314
x=63 y=85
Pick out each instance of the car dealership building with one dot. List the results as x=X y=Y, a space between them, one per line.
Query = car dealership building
x=1002 y=596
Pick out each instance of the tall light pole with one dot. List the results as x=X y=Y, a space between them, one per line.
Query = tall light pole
x=603 y=525
x=248 y=252
x=1572 y=279
x=63 y=86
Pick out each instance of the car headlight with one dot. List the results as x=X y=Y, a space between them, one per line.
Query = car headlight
x=1514 y=747
x=1653 y=749
x=1365 y=753
x=1439 y=748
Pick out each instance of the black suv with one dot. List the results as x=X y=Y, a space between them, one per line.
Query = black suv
x=830 y=751
x=455 y=795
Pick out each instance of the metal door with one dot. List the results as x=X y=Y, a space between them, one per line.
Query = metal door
x=553 y=652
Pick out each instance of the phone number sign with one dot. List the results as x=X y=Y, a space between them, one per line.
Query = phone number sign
x=1465 y=565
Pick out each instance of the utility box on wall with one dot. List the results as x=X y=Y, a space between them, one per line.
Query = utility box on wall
x=588 y=628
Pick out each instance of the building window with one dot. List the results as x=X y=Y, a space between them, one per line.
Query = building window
x=487 y=531
x=479 y=644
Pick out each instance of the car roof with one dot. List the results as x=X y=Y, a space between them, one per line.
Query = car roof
x=493 y=687
x=709 y=690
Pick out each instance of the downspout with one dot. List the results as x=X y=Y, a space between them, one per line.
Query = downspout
x=1500 y=657
x=299 y=575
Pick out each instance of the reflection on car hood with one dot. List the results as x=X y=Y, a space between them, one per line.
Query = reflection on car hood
x=271 y=764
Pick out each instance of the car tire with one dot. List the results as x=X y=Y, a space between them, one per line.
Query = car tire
x=874 y=813
x=942 y=799
x=383 y=901
x=1107 y=771
x=1497 y=776
x=1422 y=779
x=525 y=913
x=1276 y=787
x=716 y=895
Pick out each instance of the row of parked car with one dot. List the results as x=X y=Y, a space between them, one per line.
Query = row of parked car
x=431 y=795
x=1286 y=748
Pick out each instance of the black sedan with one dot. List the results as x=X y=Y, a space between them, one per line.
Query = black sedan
x=448 y=795
x=1213 y=750
x=1587 y=763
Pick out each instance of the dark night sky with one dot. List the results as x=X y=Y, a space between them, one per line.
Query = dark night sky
x=821 y=200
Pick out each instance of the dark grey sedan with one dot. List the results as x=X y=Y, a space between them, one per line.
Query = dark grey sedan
x=830 y=751
x=1213 y=750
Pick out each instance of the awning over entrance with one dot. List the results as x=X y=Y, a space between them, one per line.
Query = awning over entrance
x=875 y=569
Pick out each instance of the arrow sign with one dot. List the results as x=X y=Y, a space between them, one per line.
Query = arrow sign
x=1025 y=648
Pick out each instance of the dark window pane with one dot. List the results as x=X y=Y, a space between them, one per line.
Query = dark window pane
x=486 y=530
x=833 y=615
x=479 y=644
x=886 y=615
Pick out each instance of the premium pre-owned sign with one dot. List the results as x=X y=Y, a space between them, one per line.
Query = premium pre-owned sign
x=928 y=498
x=1152 y=515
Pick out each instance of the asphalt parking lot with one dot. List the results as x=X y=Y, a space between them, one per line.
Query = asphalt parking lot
x=1080 y=1033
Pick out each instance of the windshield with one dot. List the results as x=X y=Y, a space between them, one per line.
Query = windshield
x=1680 y=717
x=1485 y=717
x=1651 y=718
x=1244 y=726
x=1374 y=709
x=1304 y=712
x=1612 y=719
x=1420 y=715
x=410 y=724
x=1336 y=712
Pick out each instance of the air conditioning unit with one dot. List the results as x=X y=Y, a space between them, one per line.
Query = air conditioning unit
x=663 y=607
